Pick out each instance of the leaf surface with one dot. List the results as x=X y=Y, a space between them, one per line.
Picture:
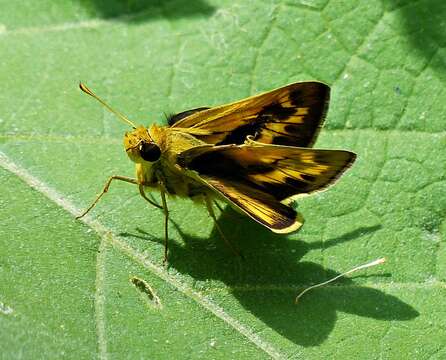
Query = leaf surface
x=65 y=288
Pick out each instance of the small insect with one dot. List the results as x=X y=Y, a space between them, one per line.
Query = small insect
x=256 y=154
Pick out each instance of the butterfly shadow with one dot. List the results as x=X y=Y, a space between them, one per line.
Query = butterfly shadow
x=424 y=27
x=142 y=10
x=267 y=281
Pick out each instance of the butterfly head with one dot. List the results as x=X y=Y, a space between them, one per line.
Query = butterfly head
x=140 y=147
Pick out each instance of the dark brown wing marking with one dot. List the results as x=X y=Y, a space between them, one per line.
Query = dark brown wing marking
x=258 y=205
x=291 y=115
x=172 y=119
x=280 y=171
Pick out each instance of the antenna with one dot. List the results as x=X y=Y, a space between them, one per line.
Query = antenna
x=86 y=90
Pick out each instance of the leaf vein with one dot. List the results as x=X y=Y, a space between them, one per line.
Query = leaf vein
x=107 y=235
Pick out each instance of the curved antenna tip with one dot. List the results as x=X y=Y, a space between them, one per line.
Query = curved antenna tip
x=86 y=90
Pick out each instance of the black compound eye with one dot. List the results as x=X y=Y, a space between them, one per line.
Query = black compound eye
x=149 y=151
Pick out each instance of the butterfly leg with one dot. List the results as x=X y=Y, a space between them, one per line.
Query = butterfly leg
x=144 y=196
x=220 y=231
x=219 y=207
x=166 y=223
x=105 y=189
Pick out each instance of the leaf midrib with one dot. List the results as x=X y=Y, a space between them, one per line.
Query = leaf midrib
x=108 y=237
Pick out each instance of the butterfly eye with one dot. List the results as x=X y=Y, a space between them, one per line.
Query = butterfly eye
x=149 y=151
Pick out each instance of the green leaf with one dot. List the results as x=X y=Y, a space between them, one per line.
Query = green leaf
x=65 y=285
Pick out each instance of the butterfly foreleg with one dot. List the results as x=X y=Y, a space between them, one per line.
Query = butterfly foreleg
x=211 y=212
x=105 y=190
